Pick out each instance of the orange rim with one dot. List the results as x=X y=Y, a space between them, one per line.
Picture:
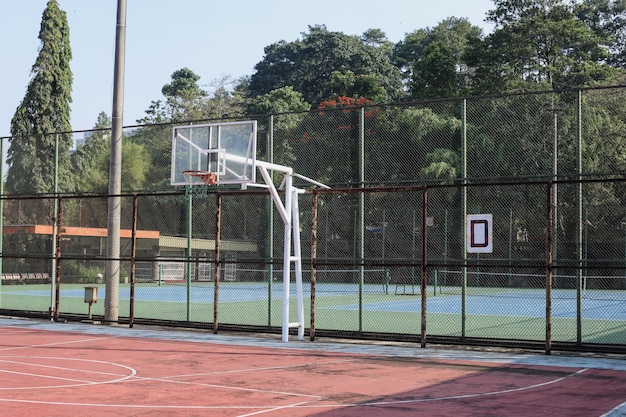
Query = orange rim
x=207 y=177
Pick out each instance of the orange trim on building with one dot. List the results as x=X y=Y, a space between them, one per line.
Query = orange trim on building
x=42 y=229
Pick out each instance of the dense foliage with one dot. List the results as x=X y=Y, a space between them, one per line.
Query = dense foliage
x=309 y=64
x=45 y=109
x=352 y=110
x=535 y=45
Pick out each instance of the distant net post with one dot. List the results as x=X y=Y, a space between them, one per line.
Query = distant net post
x=225 y=153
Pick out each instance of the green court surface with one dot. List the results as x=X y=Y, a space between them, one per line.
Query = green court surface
x=489 y=313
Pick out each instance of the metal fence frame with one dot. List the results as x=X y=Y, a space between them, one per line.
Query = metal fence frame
x=549 y=188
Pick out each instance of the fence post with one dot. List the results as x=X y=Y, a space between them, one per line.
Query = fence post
x=463 y=220
x=581 y=271
x=188 y=266
x=270 y=211
x=216 y=286
x=361 y=225
x=549 y=255
x=57 y=257
x=55 y=230
x=313 y=263
x=133 y=254
x=424 y=262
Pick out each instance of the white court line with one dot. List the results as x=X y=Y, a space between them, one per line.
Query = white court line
x=127 y=378
x=618 y=411
x=158 y=407
x=131 y=377
x=464 y=396
x=131 y=373
x=426 y=400
x=69 y=342
x=80 y=381
x=503 y=358
x=256 y=413
x=169 y=380
x=39 y=365
x=534 y=358
x=265 y=408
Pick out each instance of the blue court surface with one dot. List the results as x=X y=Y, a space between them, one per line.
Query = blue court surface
x=509 y=304
x=501 y=306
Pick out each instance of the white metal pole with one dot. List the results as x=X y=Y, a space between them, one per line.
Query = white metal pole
x=287 y=255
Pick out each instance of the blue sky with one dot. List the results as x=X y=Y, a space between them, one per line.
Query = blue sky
x=212 y=38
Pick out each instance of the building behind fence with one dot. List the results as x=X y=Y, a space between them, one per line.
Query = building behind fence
x=384 y=250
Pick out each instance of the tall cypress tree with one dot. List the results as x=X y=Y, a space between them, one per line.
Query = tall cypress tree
x=44 y=111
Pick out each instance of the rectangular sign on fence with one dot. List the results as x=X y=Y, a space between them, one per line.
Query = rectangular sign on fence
x=479 y=233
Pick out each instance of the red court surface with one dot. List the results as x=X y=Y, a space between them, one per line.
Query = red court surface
x=53 y=369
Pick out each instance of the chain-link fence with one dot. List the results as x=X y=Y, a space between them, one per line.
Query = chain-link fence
x=385 y=250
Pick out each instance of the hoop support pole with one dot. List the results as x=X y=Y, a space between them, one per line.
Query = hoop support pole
x=286 y=257
x=289 y=212
x=274 y=193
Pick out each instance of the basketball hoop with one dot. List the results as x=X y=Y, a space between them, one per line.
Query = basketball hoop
x=207 y=177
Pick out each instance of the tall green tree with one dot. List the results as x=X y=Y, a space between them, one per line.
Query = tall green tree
x=434 y=74
x=135 y=166
x=452 y=32
x=44 y=110
x=91 y=160
x=540 y=43
x=308 y=63
x=183 y=94
x=86 y=157
x=281 y=100
x=185 y=99
x=607 y=18
x=291 y=104
x=349 y=84
x=224 y=99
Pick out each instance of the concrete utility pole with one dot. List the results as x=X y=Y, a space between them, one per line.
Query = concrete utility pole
x=112 y=271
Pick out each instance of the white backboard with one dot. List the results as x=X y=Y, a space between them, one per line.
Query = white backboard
x=225 y=149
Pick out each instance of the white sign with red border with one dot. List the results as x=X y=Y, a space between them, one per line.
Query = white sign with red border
x=479 y=233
